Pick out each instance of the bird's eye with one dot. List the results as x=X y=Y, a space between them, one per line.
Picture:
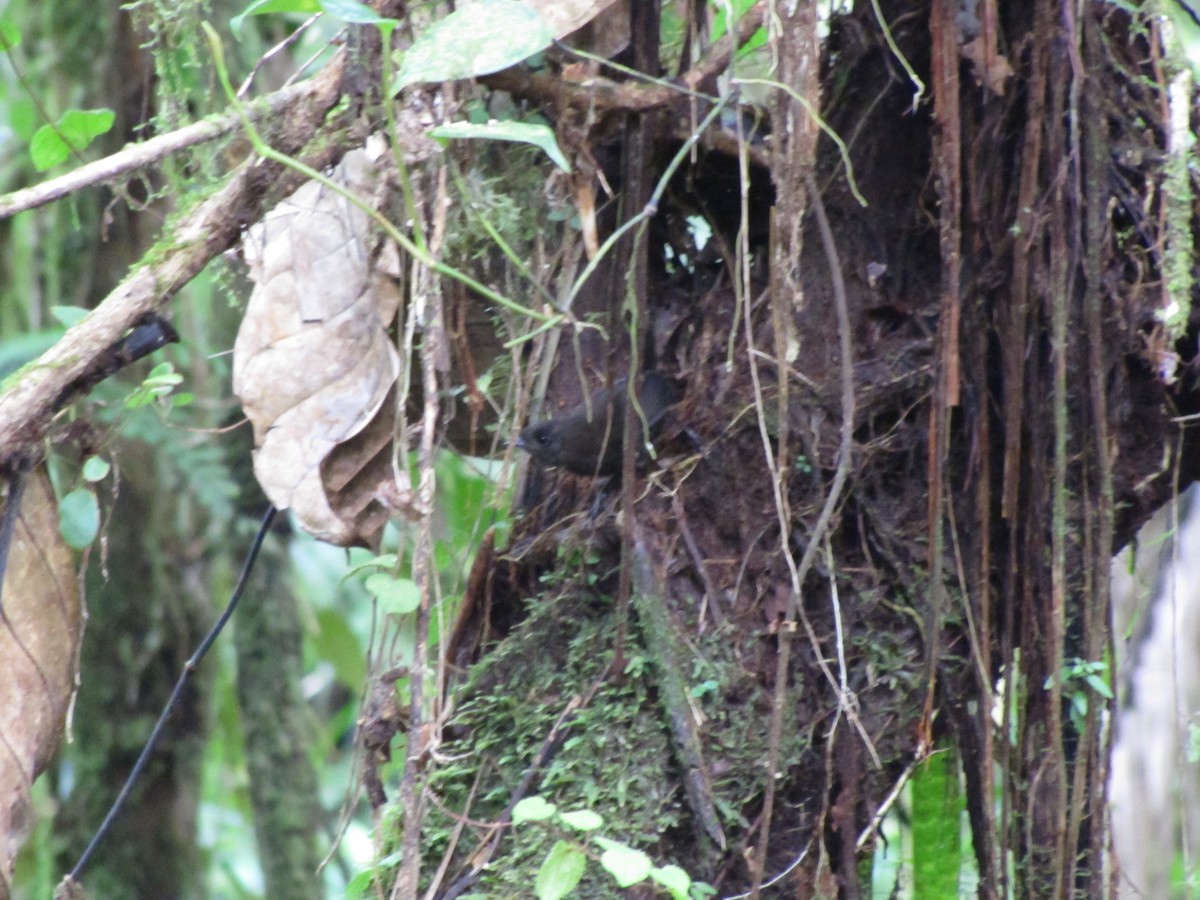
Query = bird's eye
x=543 y=437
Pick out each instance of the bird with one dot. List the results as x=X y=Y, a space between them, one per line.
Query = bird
x=592 y=446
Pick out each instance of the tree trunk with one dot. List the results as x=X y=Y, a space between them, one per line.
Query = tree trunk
x=1009 y=426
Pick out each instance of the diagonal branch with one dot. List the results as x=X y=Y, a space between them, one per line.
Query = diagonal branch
x=31 y=399
x=145 y=153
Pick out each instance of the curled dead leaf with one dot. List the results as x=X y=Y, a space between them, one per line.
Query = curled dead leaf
x=314 y=365
x=41 y=627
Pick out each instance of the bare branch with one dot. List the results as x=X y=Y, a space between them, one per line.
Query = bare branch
x=29 y=404
x=137 y=156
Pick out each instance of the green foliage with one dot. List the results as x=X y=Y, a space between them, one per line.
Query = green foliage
x=265 y=7
x=537 y=134
x=159 y=387
x=564 y=866
x=95 y=469
x=1193 y=743
x=1080 y=680
x=937 y=806
x=612 y=766
x=561 y=872
x=10 y=35
x=79 y=517
x=72 y=133
x=489 y=36
x=22 y=349
x=354 y=13
x=398 y=596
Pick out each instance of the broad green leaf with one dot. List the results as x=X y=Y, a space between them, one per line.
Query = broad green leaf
x=523 y=132
x=79 y=518
x=263 y=7
x=95 y=468
x=10 y=35
x=937 y=806
x=68 y=315
x=674 y=879
x=355 y=13
x=582 y=820
x=164 y=374
x=720 y=18
x=74 y=131
x=382 y=561
x=357 y=886
x=20 y=349
x=532 y=809
x=485 y=37
x=337 y=644
x=398 y=595
x=561 y=872
x=161 y=381
x=627 y=865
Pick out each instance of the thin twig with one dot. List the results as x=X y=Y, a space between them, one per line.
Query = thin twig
x=137 y=156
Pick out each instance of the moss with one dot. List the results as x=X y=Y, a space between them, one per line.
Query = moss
x=617 y=757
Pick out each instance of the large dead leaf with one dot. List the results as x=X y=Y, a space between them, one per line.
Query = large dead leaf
x=41 y=625
x=313 y=363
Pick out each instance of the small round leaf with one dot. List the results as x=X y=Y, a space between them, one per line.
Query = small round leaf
x=533 y=809
x=79 y=518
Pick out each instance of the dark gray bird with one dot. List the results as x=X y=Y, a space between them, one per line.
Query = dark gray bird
x=593 y=446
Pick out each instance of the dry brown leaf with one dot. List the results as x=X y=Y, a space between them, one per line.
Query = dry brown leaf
x=313 y=363
x=40 y=630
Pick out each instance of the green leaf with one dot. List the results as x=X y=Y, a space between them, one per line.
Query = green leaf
x=20 y=349
x=398 y=595
x=95 y=469
x=68 y=315
x=159 y=383
x=10 y=36
x=532 y=809
x=263 y=7
x=561 y=871
x=485 y=37
x=720 y=24
x=1193 y=743
x=79 y=518
x=74 y=131
x=627 y=865
x=357 y=886
x=385 y=561
x=937 y=806
x=523 y=132
x=355 y=13
x=1100 y=686
x=674 y=879
x=582 y=820
x=337 y=644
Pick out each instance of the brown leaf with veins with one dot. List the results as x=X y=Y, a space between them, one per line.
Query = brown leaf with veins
x=314 y=365
x=41 y=625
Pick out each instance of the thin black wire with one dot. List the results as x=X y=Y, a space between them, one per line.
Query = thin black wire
x=188 y=668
